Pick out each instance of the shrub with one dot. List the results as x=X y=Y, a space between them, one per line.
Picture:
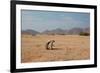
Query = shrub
x=84 y=34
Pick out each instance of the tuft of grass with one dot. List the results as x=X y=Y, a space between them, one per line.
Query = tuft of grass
x=84 y=34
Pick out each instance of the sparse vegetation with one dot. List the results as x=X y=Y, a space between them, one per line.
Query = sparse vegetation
x=84 y=34
x=66 y=47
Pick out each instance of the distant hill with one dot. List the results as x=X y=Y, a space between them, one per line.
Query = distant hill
x=55 y=31
x=58 y=31
x=32 y=32
x=75 y=31
x=87 y=30
x=65 y=31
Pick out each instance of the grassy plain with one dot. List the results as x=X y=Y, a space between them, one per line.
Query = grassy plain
x=67 y=47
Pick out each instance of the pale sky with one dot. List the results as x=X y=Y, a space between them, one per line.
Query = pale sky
x=49 y=20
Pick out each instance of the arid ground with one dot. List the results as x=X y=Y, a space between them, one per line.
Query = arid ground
x=66 y=47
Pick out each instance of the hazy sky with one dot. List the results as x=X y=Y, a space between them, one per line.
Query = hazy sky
x=48 y=20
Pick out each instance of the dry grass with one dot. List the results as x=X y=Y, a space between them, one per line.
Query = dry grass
x=67 y=47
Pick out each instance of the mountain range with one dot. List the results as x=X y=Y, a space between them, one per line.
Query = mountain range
x=73 y=31
x=30 y=31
